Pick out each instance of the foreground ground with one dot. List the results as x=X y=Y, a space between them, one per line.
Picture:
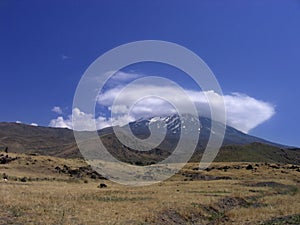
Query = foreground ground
x=48 y=190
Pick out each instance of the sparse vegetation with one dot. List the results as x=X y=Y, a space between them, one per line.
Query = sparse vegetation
x=261 y=195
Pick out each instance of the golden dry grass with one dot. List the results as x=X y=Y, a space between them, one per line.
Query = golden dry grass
x=67 y=200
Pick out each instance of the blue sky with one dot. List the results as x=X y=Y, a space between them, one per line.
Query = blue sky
x=252 y=47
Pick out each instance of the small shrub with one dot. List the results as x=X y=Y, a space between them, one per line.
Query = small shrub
x=23 y=179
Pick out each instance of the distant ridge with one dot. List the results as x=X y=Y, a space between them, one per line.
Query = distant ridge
x=60 y=142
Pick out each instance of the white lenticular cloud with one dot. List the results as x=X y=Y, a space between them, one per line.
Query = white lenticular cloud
x=243 y=112
x=57 y=110
x=246 y=113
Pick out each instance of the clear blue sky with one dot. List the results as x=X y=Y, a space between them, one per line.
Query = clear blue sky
x=252 y=47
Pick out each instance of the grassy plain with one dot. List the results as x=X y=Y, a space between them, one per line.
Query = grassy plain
x=46 y=190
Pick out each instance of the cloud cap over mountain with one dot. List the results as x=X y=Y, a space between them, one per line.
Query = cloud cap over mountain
x=243 y=112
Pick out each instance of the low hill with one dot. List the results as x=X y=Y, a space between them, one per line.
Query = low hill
x=22 y=138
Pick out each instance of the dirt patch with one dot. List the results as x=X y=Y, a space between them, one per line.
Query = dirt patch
x=232 y=202
x=204 y=215
x=8 y=217
x=278 y=187
x=81 y=172
x=268 y=184
x=292 y=219
x=198 y=176
x=201 y=214
x=170 y=216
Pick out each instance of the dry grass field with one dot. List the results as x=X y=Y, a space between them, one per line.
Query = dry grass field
x=49 y=190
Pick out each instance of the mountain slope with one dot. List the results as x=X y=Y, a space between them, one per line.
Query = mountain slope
x=22 y=138
x=173 y=124
x=60 y=142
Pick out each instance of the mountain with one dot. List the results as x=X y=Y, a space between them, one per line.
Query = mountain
x=237 y=146
x=173 y=124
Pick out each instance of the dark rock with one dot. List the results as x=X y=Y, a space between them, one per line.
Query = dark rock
x=249 y=167
x=74 y=172
x=23 y=179
x=6 y=159
x=102 y=185
x=251 y=190
x=207 y=177
x=293 y=167
x=93 y=176
x=66 y=167
x=274 y=166
x=223 y=178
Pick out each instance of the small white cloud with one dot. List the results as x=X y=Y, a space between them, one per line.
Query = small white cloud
x=64 y=57
x=86 y=122
x=57 y=110
x=123 y=76
x=60 y=122
x=117 y=78
x=34 y=124
x=18 y=121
